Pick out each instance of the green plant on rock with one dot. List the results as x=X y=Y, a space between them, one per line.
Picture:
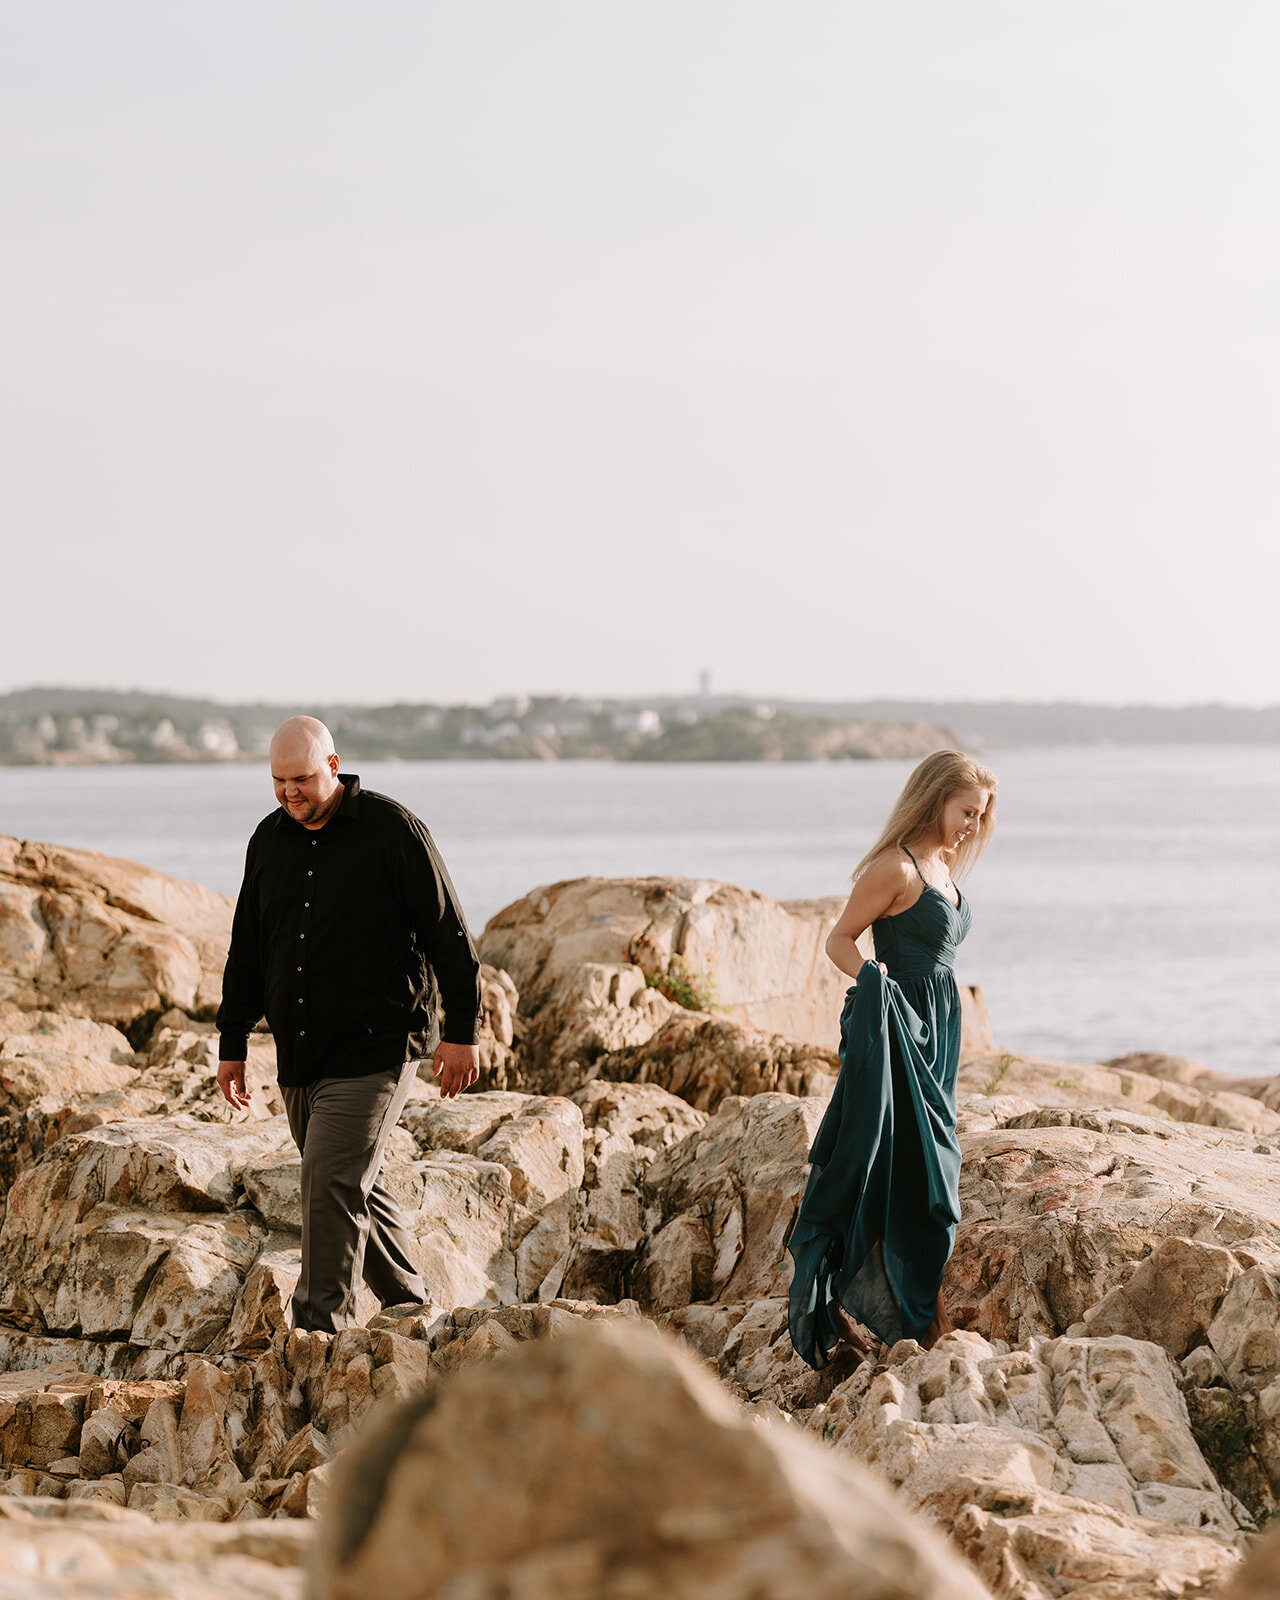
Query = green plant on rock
x=695 y=991
x=1227 y=1435
x=999 y=1067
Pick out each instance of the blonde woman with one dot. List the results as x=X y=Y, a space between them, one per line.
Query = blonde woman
x=878 y=1219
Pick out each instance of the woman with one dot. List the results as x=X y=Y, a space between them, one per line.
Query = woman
x=878 y=1219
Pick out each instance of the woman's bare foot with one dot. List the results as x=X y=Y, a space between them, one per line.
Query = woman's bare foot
x=849 y=1332
x=941 y=1324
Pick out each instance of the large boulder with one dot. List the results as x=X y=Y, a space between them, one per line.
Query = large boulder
x=704 y=987
x=93 y=936
x=765 y=961
x=604 y=1463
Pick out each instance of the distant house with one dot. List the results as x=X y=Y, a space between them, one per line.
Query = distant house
x=643 y=721
x=217 y=740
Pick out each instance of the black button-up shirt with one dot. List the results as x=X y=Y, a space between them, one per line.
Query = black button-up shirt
x=347 y=938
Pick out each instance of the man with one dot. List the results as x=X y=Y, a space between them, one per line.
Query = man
x=347 y=934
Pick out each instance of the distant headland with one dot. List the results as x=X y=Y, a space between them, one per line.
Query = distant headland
x=73 y=727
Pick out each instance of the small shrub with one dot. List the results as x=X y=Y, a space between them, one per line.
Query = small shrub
x=1002 y=1063
x=1066 y=1083
x=1225 y=1436
x=695 y=991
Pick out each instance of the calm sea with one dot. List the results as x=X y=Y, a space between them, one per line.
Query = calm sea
x=1130 y=899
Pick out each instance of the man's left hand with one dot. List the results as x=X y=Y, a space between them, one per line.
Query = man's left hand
x=460 y=1066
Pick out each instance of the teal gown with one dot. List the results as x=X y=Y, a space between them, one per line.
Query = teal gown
x=878 y=1219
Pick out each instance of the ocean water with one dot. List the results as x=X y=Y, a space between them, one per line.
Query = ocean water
x=1130 y=898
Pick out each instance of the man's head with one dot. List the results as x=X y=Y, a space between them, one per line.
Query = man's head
x=304 y=769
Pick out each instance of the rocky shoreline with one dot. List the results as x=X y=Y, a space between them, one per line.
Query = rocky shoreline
x=604 y=1223
x=67 y=728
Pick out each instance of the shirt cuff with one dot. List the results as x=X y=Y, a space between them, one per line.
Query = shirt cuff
x=461 y=1032
x=233 y=1046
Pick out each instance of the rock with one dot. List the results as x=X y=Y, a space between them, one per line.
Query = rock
x=626 y=1125
x=105 y=1442
x=1171 y=1298
x=1174 y=1069
x=1068 y=1468
x=498 y=1002
x=1259 y=1576
x=585 y=956
x=724 y=1200
x=766 y=960
x=1058 y=1208
x=45 y=1054
x=703 y=1059
x=1209 y=1101
x=90 y=1546
x=307 y=1449
x=205 y=1444
x=662 y=1486
x=594 y=1009
x=262 y=1306
x=462 y=1124
x=109 y=1490
x=646 y=1115
x=122 y=1230
x=499 y=1204
x=977 y=1041
x=41 y=1415
x=96 y=937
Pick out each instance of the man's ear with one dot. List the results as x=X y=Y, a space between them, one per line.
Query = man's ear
x=333 y=764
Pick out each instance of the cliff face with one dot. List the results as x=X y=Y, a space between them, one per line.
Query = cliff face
x=1105 y=1423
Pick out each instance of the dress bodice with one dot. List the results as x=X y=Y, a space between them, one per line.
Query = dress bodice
x=923 y=939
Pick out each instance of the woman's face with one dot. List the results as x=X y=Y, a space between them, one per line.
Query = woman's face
x=961 y=816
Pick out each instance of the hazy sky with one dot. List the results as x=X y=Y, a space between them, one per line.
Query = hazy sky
x=436 y=351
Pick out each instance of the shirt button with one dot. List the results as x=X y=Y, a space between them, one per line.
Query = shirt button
x=306 y=905
x=310 y=874
x=302 y=936
x=299 y=999
x=302 y=1033
x=299 y=969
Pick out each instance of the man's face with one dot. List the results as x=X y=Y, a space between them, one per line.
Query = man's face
x=304 y=780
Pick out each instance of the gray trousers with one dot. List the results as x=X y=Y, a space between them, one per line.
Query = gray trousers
x=351 y=1227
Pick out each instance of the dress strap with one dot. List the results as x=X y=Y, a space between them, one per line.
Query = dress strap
x=915 y=864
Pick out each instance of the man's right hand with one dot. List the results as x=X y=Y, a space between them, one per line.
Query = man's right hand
x=231 y=1082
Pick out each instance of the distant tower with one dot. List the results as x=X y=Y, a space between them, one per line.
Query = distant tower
x=704 y=685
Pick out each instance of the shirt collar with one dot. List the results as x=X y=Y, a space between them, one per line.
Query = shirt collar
x=348 y=806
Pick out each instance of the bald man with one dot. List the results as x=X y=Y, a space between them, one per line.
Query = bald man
x=348 y=937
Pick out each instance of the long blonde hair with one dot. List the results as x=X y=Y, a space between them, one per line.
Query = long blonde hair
x=919 y=808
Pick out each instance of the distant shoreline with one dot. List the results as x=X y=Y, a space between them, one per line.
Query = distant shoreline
x=64 y=727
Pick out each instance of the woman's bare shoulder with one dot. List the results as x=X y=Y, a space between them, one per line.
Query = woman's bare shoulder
x=889 y=869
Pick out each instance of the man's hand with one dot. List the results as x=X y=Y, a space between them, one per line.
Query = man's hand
x=231 y=1082
x=460 y=1064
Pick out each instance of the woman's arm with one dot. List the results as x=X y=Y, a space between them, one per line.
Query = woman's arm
x=884 y=882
